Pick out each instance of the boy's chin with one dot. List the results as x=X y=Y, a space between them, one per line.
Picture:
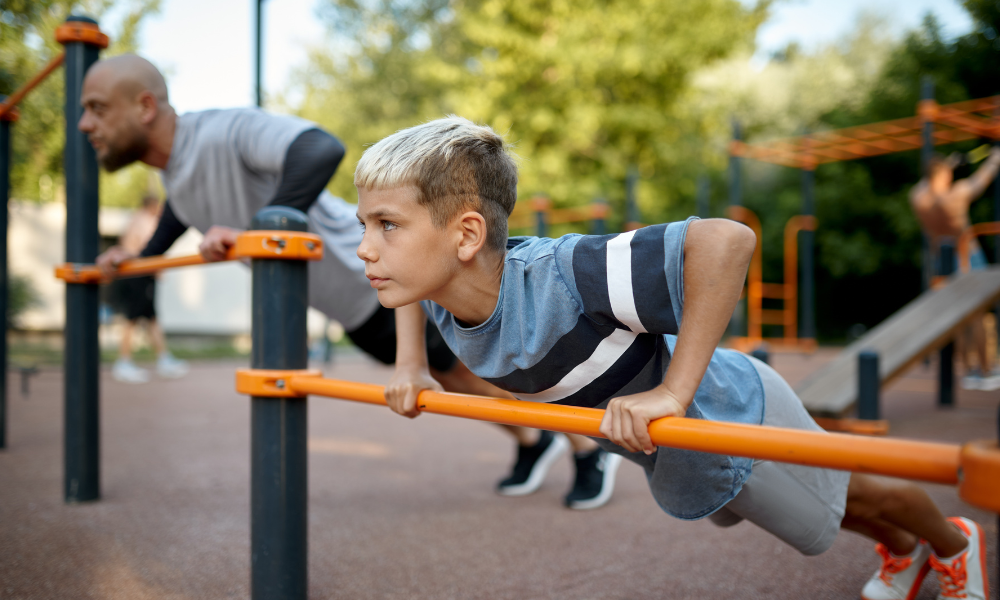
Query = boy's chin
x=389 y=300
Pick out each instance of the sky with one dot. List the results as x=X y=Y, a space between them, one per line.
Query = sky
x=206 y=47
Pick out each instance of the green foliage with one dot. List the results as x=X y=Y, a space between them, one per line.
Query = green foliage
x=21 y=296
x=583 y=88
x=27 y=44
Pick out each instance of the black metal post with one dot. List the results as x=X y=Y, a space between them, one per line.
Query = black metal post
x=599 y=226
x=541 y=227
x=278 y=482
x=82 y=352
x=5 y=122
x=807 y=287
x=701 y=200
x=926 y=153
x=761 y=354
x=631 y=202
x=259 y=49
x=946 y=368
x=737 y=323
x=868 y=385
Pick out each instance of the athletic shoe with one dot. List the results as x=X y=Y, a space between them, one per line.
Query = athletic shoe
x=169 y=367
x=595 y=480
x=899 y=577
x=973 y=380
x=991 y=381
x=533 y=463
x=125 y=371
x=964 y=575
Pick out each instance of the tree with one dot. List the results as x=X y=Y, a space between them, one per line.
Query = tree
x=583 y=88
x=27 y=43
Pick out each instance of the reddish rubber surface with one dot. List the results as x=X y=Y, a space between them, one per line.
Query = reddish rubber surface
x=398 y=509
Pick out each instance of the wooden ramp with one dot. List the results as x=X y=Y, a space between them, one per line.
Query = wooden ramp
x=920 y=327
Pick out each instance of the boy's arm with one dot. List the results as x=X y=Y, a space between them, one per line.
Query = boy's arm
x=716 y=255
x=977 y=183
x=412 y=372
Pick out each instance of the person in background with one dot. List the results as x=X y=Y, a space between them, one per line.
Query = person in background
x=138 y=300
x=942 y=206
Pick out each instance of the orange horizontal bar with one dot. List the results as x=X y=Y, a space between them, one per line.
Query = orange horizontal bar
x=924 y=461
x=137 y=267
x=19 y=95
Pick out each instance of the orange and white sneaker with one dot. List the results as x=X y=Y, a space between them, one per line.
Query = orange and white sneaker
x=899 y=577
x=964 y=575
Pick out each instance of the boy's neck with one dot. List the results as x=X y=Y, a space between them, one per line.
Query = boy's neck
x=472 y=294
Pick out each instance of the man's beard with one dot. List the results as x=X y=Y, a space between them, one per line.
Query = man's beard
x=131 y=148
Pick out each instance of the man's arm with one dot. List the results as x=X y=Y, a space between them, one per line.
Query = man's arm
x=412 y=373
x=976 y=184
x=168 y=229
x=310 y=162
x=716 y=255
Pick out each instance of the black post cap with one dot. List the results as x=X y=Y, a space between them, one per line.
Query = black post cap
x=80 y=19
x=283 y=218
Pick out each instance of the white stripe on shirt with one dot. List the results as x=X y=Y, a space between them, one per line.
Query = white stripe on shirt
x=620 y=281
x=605 y=355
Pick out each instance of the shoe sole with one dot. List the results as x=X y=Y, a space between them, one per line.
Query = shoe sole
x=556 y=449
x=611 y=464
x=919 y=581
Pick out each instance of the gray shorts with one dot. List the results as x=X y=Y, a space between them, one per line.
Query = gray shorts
x=802 y=506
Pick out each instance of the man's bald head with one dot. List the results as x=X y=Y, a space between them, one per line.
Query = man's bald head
x=126 y=108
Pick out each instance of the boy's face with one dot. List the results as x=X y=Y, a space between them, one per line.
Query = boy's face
x=407 y=258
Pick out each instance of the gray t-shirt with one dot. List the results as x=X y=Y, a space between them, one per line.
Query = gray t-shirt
x=225 y=165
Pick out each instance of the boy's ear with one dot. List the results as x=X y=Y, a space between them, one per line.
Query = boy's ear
x=472 y=227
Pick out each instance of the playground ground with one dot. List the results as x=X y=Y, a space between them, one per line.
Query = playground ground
x=398 y=508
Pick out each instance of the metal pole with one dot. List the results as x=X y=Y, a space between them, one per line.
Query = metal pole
x=737 y=323
x=82 y=352
x=926 y=153
x=631 y=203
x=807 y=291
x=599 y=225
x=761 y=355
x=702 y=196
x=946 y=367
x=868 y=385
x=258 y=86
x=541 y=227
x=5 y=122
x=278 y=481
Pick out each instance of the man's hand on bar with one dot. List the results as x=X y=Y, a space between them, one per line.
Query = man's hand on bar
x=217 y=242
x=112 y=257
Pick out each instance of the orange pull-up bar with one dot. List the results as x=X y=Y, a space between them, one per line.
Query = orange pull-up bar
x=290 y=245
x=32 y=83
x=924 y=461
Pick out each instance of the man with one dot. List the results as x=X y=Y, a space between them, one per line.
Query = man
x=221 y=166
x=137 y=296
x=942 y=206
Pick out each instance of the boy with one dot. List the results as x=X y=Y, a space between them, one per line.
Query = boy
x=220 y=167
x=629 y=323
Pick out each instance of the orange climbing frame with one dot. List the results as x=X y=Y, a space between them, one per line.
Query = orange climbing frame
x=787 y=292
x=290 y=245
x=974 y=467
x=953 y=123
x=525 y=214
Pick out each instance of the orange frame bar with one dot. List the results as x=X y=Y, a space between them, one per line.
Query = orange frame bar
x=965 y=242
x=924 y=461
x=19 y=95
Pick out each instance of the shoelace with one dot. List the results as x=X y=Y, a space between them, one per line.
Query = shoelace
x=952 y=577
x=891 y=564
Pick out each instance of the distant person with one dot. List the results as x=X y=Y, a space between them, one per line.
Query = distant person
x=942 y=206
x=137 y=296
x=222 y=166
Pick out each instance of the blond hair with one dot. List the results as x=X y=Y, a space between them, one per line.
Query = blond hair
x=455 y=165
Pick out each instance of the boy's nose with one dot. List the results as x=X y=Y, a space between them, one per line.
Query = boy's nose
x=366 y=251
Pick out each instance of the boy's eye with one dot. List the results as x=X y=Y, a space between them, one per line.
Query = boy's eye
x=361 y=225
x=388 y=225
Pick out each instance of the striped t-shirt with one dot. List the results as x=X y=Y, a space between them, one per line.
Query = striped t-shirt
x=583 y=319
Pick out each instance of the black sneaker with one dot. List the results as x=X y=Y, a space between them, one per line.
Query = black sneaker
x=533 y=463
x=595 y=480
